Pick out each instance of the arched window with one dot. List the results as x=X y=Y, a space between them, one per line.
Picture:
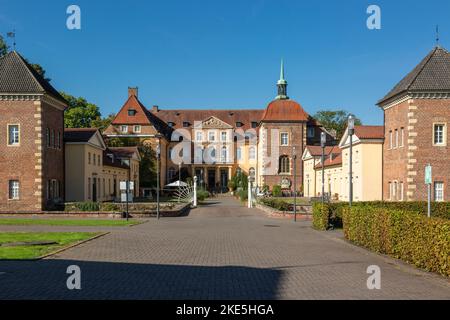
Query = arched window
x=284 y=165
x=224 y=154
x=252 y=153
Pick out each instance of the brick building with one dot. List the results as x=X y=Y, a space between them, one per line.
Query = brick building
x=416 y=120
x=31 y=148
x=216 y=144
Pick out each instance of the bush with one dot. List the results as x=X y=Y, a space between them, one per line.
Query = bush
x=407 y=235
x=328 y=214
x=202 y=194
x=276 y=191
x=109 y=206
x=82 y=206
x=275 y=203
x=243 y=194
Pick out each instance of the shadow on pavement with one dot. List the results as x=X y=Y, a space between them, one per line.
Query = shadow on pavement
x=46 y=279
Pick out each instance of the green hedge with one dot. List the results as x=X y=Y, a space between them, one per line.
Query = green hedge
x=328 y=214
x=275 y=203
x=438 y=209
x=407 y=235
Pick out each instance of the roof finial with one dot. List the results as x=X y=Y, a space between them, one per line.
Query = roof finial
x=282 y=84
x=437 y=36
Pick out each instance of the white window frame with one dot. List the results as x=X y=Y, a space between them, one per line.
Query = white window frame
x=137 y=128
x=124 y=129
x=239 y=153
x=443 y=142
x=402 y=137
x=211 y=134
x=224 y=154
x=13 y=190
x=282 y=134
x=396 y=139
x=199 y=136
x=439 y=193
x=15 y=134
x=222 y=134
x=252 y=155
x=390 y=139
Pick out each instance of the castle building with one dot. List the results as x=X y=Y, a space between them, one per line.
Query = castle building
x=416 y=121
x=31 y=148
x=214 y=145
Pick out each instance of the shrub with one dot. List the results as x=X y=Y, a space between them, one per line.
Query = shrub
x=243 y=194
x=202 y=194
x=275 y=203
x=109 y=206
x=82 y=206
x=407 y=235
x=328 y=214
x=276 y=191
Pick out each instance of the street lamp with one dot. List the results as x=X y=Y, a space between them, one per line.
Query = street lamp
x=179 y=179
x=351 y=132
x=294 y=158
x=158 y=157
x=323 y=141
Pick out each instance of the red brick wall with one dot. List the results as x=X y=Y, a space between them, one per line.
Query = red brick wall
x=297 y=138
x=417 y=117
x=18 y=163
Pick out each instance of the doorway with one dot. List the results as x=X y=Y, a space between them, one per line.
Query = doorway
x=94 y=189
x=211 y=179
x=224 y=180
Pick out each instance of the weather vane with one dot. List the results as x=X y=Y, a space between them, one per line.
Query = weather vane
x=437 y=35
x=13 y=36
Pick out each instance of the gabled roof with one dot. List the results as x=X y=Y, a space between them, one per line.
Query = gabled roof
x=333 y=158
x=316 y=151
x=363 y=133
x=84 y=136
x=17 y=76
x=125 y=152
x=432 y=74
x=284 y=110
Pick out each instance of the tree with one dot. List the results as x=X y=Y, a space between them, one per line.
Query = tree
x=39 y=69
x=3 y=46
x=80 y=113
x=103 y=123
x=334 y=120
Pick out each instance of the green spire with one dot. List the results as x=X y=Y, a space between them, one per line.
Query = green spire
x=282 y=80
x=282 y=85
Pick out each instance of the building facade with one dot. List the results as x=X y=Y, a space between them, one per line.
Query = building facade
x=214 y=145
x=32 y=150
x=416 y=120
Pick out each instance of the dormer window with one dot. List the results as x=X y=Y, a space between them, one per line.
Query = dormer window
x=311 y=132
x=239 y=124
x=131 y=112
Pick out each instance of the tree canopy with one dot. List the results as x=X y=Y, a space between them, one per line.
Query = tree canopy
x=335 y=120
x=3 y=46
x=80 y=113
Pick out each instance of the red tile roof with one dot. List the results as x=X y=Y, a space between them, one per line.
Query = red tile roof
x=140 y=117
x=285 y=110
x=334 y=158
x=317 y=150
x=369 y=132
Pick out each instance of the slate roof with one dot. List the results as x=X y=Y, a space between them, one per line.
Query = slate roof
x=79 y=134
x=432 y=74
x=123 y=152
x=18 y=76
x=284 y=111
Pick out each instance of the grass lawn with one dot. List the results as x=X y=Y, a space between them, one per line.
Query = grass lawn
x=63 y=239
x=68 y=222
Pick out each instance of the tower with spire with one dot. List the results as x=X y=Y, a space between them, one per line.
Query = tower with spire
x=282 y=85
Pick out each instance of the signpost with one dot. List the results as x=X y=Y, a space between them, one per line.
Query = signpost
x=195 y=191
x=428 y=182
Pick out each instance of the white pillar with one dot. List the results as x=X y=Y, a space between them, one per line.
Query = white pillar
x=249 y=200
x=195 y=191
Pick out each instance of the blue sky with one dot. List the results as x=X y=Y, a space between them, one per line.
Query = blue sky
x=226 y=54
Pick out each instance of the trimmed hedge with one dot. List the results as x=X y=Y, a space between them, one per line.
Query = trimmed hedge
x=275 y=203
x=406 y=235
x=330 y=214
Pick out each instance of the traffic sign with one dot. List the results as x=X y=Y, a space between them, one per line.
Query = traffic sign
x=428 y=174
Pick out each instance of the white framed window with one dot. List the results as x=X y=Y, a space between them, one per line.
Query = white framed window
x=439 y=134
x=211 y=136
x=124 y=129
x=13 y=135
x=284 y=139
x=14 y=188
x=390 y=190
x=402 y=137
x=137 y=129
x=199 y=136
x=284 y=165
x=439 y=191
x=239 y=153
x=224 y=154
x=252 y=153
x=223 y=136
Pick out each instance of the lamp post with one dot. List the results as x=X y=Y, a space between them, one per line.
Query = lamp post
x=294 y=158
x=158 y=157
x=128 y=185
x=179 y=179
x=351 y=132
x=323 y=141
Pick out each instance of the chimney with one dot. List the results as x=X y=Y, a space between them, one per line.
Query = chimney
x=155 y=109
x=132 y=91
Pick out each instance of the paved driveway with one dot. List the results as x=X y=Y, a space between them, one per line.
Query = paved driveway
x=220 y=251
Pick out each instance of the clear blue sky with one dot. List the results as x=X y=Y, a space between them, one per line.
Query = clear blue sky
x=226 y=54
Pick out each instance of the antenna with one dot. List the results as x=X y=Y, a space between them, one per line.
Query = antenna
x=13 y=36
x=437 y=36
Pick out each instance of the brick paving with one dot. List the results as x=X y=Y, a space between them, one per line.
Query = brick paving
x=219 y=251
